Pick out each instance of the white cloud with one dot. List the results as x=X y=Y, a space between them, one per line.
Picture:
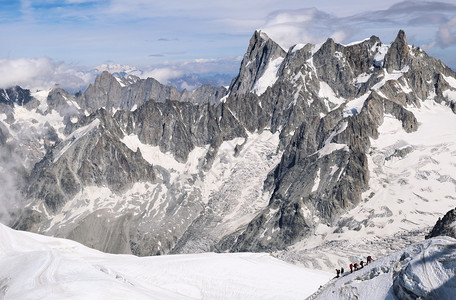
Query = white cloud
x=341 y=35
x=44 y=73
x=205 y=60
x=41 y=73
x=309 y=25
x=446 y=35
x=427 y=47
x=163 y=75
x=172 y=70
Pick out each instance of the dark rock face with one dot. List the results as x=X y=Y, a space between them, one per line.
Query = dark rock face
x=99 y=228
x=325 y=106
x=338 y=65
x=445 y=226
x=398 y=55
x=62 y=102
x=179 y=127
x=15 y=96
x=203 y=94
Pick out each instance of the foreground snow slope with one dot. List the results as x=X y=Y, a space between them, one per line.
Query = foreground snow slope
x=425 y=270
x=38 y=267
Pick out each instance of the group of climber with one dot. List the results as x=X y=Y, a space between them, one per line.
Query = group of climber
x=354 y=267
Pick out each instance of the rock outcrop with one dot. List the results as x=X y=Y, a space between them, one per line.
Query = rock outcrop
x=445 y=226
x=15 y=96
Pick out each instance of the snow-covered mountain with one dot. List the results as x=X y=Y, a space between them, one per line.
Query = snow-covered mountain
x=318 y=153
x=38 y=267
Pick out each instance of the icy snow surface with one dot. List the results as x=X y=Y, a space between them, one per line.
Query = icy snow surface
x=269 y=76
x=450 y=80
x=40 y=267
x=41 y=96
x=395 y=75
x=329 y=147
x=154 y=156
x=73 y=137
x=354 y=107
x=356 y=42
x=451 y=95
x=327 y=93
x=362 y=78
x=380 y=55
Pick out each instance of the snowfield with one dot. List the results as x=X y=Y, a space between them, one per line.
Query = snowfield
x=39 y=267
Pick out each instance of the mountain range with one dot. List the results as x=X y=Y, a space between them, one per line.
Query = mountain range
x=319 y=154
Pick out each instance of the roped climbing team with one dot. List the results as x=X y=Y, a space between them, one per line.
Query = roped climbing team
x=354 y=267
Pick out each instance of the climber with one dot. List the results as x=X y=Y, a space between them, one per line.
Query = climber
x=355 y=266
x=351 y=268
x=338 y=273
x=369 y=259
x=342 y=271
x=362 y=264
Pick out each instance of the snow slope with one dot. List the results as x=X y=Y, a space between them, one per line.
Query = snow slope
x=40 y=267
x=269 y=77
x=425 y=270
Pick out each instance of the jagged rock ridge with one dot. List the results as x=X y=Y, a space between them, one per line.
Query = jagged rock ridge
x=131 y=92
x=445 y=226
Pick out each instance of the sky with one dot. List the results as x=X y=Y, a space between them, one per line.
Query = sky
x=48 y=42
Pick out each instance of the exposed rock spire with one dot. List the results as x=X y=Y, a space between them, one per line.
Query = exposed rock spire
x=398 y=55
x=260 y=52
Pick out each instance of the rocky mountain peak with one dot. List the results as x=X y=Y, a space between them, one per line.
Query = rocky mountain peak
x=398 y=55
x=105 y=92
x=260 y=52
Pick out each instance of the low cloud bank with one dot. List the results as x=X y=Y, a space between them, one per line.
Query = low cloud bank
x=41 y=73
x=44 y=73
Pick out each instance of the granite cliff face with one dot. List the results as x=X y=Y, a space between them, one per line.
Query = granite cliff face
x=445 y=226
x=142 y=168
